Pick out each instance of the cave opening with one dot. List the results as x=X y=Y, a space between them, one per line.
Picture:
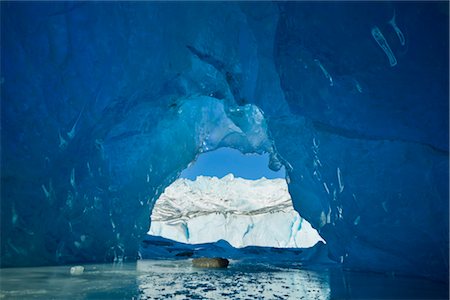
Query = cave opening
x=235 y=197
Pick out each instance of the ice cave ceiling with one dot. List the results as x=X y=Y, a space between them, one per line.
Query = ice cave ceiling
x=103 y=104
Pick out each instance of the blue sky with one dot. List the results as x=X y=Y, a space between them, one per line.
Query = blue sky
x=227 y=160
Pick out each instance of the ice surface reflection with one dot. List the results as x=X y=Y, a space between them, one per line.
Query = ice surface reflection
x=180 y=280
x=176 y=279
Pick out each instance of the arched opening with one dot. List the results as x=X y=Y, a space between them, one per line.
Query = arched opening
x=226 y=195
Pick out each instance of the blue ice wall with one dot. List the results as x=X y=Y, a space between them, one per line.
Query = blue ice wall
x=103 y=104
x=371 y=156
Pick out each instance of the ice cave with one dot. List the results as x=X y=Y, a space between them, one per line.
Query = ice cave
x=104 y=104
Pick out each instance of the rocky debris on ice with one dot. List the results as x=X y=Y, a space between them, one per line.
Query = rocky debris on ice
x=205 y=262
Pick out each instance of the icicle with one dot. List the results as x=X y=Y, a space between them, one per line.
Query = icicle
x=89 y=169
x=316 y=162
x=339 y=176
x=316 y=143
x=71 y=133
x=46 y=192
x=397 y=30
x=62 y=141
x=325 y=72
x=323 y=219
x=326 y=188
x=72 y=178
x=381 y=41
x=112 y=222
x=317 y=175
x=69 y=200
x=358 y=86
x=18 y=250
x=339 y=208
x=384 y=206
x=15 y=217
x=329 y=216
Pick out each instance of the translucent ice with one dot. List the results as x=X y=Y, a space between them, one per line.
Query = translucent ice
x=248 y=81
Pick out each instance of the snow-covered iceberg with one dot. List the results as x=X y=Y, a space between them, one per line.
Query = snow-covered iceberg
x=242 y=212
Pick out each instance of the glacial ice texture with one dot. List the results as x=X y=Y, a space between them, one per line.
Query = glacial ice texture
x=103 y=104
x=242 y=212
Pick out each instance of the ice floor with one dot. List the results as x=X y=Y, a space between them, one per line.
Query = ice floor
x=150 y=279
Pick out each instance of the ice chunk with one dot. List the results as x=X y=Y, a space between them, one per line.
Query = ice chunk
x=77 y=270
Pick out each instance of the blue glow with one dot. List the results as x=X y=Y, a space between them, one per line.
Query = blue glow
x=104 y=103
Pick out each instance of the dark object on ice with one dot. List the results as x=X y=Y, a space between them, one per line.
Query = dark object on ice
x=215 y=262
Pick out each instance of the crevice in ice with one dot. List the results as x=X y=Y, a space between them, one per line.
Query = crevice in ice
x=353 y=134
x=231 y=78
x=249 y=227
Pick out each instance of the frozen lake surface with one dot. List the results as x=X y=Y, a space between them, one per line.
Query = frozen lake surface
x=164 y=279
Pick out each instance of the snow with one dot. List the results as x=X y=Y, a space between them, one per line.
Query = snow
x=241 y=211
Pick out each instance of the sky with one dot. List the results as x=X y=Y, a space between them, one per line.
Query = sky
x=227 y=160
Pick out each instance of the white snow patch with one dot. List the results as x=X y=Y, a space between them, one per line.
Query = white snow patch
x=240 y=211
